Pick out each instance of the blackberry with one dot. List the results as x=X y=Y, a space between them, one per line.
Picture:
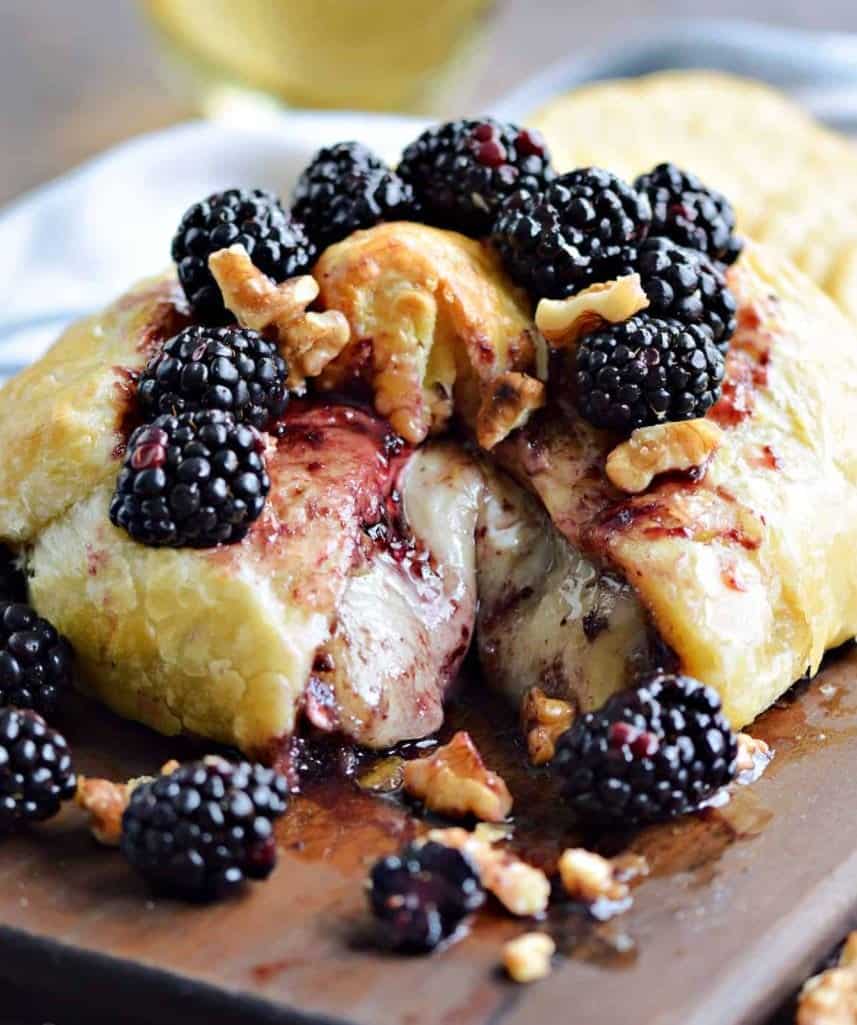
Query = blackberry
x=462 y=170
x=421 y=895
x=203 y=829
x=13 y=583
x=646 y=371
x=228 y=368
x=584 y=227
x=689 y=213
x=651 y=752
x=253 y=218
x=685 y=285
x=195 y=480
x=35 y=661
x=36 y=773
x=345 y=188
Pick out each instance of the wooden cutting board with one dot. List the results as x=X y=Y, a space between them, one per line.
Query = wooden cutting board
x=740 y=905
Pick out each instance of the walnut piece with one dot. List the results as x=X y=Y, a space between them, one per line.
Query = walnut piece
x=308 y=341
x=453 y=780
x=520 y=888
x=507 y=405
x=528 y=958
x=105 y=802
x=588 y=877
x=686 y=445
x=544 y=720
x=751 y=750
x=564 y=322
x=831 y=997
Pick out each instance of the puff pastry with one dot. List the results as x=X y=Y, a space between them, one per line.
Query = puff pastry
x=744 y=577
x=351 y=602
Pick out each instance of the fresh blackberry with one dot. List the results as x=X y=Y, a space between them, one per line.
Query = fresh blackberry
x=462 y=170
x=645 y=371
x=36 y=773
x=13 y=583
x=421 y=895
x=651 y=752
x=584 y=227
x=195 y=480
x=689 y=213
x=685 y=285
x=36 y=663
x=199 y=831
x=253 y=218
x=345 y=188
x=228 y=368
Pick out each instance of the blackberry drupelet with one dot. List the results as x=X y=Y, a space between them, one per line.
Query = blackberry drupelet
x=195 y=480
x=583 y=228
x=228 y=368
x=345 y=188
x=203 y=829
x=689 y=213
x=421 y=895
x=36 y=663
x=651 y=752
x=253 y=218
x=685 y=285
x=646 y=371
x=36 y=773
x=13 y=583
x=462 y=170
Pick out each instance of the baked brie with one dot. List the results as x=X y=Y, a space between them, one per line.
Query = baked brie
x=353 y=598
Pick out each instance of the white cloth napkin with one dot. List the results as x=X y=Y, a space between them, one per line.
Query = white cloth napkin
x=74 y=245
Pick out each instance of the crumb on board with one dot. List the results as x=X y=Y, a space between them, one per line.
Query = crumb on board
x=527 y=958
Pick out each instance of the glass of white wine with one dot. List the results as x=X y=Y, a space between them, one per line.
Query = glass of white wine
x=395 y=55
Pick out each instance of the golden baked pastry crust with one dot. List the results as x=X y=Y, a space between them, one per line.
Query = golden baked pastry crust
x=748 y=573
x=62 y=420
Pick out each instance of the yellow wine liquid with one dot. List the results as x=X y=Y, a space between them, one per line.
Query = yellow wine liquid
x=347 y=54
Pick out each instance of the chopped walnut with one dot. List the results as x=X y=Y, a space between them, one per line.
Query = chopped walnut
x=453 y=780
x=686 y=445
x=308 y=341
x=544 y=720
x=751 y=753
x=564 y=321
x=520 y=888
x=105 y=803
x=528 y=958
x=831 y=997
x=588 y=877
x=506 y=406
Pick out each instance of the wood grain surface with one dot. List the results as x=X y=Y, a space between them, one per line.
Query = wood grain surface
x=741 y=903
x=78 y=77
